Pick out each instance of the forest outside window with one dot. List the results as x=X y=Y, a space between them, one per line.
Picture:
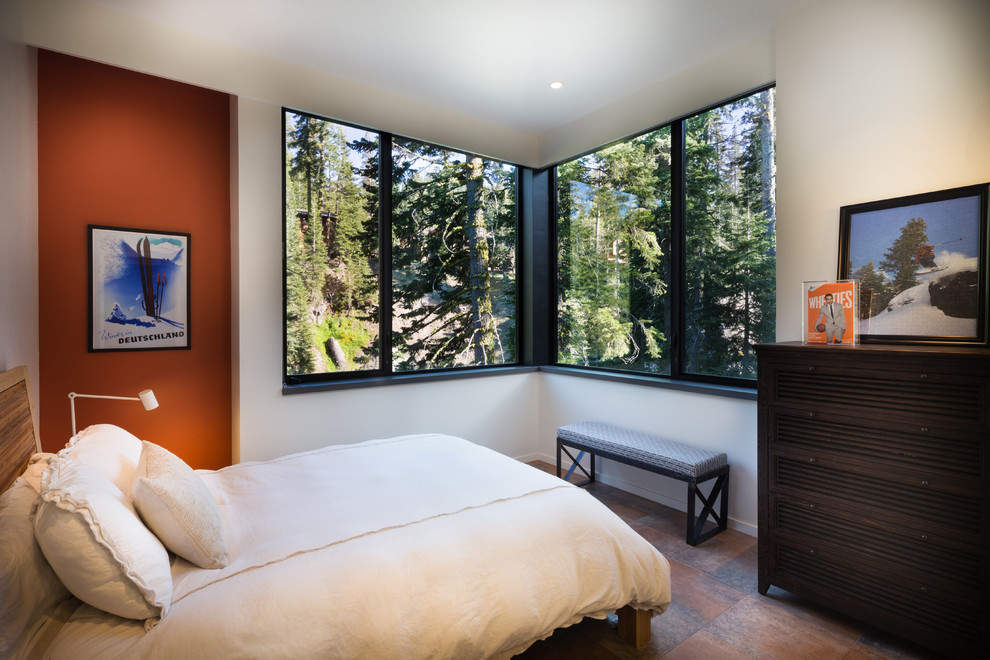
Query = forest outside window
x=666 y=248
x=400 y=256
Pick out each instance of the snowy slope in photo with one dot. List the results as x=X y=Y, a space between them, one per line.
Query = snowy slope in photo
x=913 y=309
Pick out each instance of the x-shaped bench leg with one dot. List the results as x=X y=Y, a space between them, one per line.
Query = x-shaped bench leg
x=575 y=463
x=694 y=528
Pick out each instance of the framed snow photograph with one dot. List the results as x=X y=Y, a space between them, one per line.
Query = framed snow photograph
x=138 y=289
x=921 y=261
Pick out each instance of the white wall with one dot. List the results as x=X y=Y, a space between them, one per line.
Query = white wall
x=875 y=99
x=18 y=196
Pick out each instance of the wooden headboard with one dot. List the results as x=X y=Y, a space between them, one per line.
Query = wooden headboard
x=18 y=427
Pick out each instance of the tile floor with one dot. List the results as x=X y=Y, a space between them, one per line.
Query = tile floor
x=716 y=611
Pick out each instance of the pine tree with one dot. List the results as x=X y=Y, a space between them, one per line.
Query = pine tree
x=898 y=259
x=873 y=287
x=452 y=215
x=730 y=237
x=706 y=212
x=331 y=306
x=482 y=316
x=299 y=337
x=611 y=267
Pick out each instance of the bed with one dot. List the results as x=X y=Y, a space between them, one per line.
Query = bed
x=419 y=546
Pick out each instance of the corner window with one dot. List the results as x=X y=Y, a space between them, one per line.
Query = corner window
x=666 y=257
x=399 y=256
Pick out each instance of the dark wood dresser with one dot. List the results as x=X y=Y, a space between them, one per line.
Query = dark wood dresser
x=873 y=486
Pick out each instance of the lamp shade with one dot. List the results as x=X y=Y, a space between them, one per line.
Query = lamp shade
x=148 y=399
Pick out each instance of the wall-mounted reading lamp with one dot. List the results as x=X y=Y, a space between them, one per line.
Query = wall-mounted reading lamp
x=147 y=398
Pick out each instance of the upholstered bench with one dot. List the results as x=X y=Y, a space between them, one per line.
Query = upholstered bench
x=649 y=452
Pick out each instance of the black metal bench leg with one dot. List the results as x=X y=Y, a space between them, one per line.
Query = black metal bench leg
x=724 y=506
x=694 y=527
x=590 y=476
x=692 y=532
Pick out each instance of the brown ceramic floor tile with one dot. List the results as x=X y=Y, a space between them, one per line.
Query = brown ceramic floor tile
x=810 y=611
x=666 y=520
x=762 y=630
x=704 y=646
x=717 y=551
x=698 y=597
x=740 y=572
x=629 y=513
x=671 y=547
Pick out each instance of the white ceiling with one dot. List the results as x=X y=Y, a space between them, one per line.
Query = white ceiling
x=493 y=59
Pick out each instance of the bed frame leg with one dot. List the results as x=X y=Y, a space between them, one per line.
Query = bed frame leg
x=634 y=626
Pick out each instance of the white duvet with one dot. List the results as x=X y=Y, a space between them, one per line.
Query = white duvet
x=414 y=547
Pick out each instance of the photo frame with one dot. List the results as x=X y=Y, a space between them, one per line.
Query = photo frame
x=921 y=261
x=138 y=289
x=830 y=312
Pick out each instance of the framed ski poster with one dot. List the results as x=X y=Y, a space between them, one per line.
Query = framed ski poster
x=138 y=289
x=830 y=311
x=922 y=264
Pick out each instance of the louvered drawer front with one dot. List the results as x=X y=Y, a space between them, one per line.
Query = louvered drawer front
x=908 y=501
x=916 y=611
x=957 y=568
x=896 y=445
x=894 y=397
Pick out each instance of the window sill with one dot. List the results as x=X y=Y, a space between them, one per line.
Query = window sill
x=404 y=378
x=712 y=389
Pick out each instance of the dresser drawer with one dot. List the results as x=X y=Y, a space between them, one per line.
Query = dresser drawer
x=913 y=609
x=885 y=444
x=916 y=503
x=916 y=398
x=930 y=556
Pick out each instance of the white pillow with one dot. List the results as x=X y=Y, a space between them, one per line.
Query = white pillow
x=178 y=507
x=35 y=469
x=97 y=545
x=108 y=448
x=29 y=587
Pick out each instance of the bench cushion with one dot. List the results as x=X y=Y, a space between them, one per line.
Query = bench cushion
x=667 y=455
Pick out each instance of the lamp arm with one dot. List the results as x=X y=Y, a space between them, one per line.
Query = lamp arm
x=73 y=395
x=147 y=398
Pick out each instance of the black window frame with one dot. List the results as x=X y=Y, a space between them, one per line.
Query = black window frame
x=385 y=374
x=678 y=377
x=536 y=281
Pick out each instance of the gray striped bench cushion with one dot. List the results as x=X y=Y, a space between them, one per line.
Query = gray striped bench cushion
x=668 y=455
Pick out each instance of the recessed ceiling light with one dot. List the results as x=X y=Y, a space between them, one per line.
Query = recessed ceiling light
x=556 y=84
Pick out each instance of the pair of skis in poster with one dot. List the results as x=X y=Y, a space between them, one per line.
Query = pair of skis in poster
x=153 y=285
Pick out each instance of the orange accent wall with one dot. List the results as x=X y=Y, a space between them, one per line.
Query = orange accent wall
x=124 y=149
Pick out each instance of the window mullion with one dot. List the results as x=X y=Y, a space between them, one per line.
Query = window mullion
x=678 y=256
x=385 y=251
x=536 y=273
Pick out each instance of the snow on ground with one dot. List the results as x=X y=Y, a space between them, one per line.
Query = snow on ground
x=911 y=311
